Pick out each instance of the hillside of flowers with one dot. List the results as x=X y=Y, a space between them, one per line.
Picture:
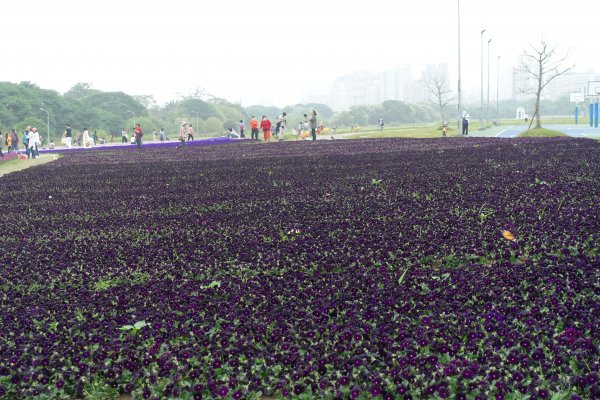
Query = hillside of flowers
x=388 y=269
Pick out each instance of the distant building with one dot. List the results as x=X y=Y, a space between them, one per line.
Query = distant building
x=570 y=82
x=393 y=83
x=359 y=88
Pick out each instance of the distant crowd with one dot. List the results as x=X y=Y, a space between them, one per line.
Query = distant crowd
x=32 y=142
x=30 y=138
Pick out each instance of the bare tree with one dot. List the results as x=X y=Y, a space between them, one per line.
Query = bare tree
x=543 y=64
x=436 y=82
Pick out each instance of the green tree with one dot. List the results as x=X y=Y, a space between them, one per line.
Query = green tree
x=214 y=126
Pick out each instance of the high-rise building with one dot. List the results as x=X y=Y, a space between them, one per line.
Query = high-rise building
x=393 y=83
x=359 y=88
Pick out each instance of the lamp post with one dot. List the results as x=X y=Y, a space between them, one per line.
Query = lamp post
x=458 y=129
x=48 y=124
x=481 y=104
x=497 y=86
x=488 y=85
x=133 y=117
x=196 y=122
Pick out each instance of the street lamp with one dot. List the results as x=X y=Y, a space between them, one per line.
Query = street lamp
x=488 y=85
x=481 y=105
x=48 y=115
x=133 y=117
x=458 y=129
x=497 y=86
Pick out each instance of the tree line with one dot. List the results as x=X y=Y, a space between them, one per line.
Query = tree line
x=82 y=106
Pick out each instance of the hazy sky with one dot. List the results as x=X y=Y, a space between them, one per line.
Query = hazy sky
x=266 y=51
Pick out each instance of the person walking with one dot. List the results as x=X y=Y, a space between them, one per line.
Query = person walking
x=265 y=126
x=313 y=125
x=190 y=133
x=138 y=133
x=68 y=136
x=280 y=127
x=253 y=128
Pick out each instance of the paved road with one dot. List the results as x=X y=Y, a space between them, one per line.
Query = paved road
x=510 y=131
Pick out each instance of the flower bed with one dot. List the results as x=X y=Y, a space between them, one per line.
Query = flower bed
x=351 y=269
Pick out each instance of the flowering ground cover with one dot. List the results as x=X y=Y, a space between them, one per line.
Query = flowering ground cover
x=459 y=268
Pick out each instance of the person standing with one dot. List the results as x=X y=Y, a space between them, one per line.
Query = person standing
x=265 y=126
x=190 y=133
x=313 y=125
x=9 y=141
x=281 y=121
x=68 y=136
x=15 y=141
x=162 y=135
x=253 y=128
x=242 y=129
x=95 y=137
x=86 y=138
x=123 y=136
x=112 y=136
x=138 y=132
x=26 y=141
x=465 y=124
x=182 y=135
x=31 y=143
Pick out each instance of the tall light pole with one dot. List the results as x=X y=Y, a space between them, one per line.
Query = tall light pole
x=488 y=85
x=48 y=124
x=196 y=121
x=481 y=104
x=133 y=117
x=459 y=93
x=497 y=87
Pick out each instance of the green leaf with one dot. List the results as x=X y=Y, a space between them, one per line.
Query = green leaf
x=401 y=279
x=126 y=327
x=140 y=324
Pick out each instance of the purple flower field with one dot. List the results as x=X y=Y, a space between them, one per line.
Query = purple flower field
x=338 y=269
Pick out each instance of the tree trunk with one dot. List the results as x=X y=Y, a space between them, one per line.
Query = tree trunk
x=538 y=120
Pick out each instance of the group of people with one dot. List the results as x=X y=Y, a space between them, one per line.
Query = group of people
x=10 y=140
x=278 y=129
x=82 y=139
x=31 y=140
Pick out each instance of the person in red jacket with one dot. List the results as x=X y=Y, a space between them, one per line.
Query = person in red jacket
x=254 y=128
x=138 y=132
x=265 y=125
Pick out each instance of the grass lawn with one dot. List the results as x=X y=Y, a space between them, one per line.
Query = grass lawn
x=17 y=164
x=541 y=132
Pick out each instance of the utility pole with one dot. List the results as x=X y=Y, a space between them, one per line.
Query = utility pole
x=488 y=85
x=481 y=104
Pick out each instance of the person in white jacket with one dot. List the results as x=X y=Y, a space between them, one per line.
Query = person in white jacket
x=34 y=139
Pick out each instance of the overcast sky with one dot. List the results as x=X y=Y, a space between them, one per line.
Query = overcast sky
x=266 y=51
